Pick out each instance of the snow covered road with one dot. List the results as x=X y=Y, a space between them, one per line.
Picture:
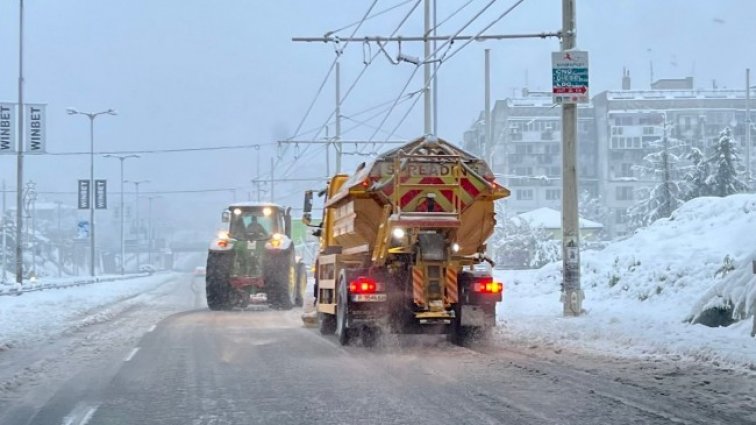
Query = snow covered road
x=262 y=366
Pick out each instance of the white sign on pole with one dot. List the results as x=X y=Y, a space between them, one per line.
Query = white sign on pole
x=36 y=132
x=7 y=128
x=569 y=71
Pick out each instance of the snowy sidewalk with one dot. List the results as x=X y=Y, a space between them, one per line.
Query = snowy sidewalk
x=12 y=288
x=531 y=314
x=38 y=315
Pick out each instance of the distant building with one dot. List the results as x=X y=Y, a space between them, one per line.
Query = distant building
x=551 y=221
x=615 y=133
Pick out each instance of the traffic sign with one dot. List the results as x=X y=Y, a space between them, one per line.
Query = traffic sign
x=101 y=194
x=569 y=71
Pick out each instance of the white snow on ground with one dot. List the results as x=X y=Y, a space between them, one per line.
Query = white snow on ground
x=642 y=291
x=34 y=316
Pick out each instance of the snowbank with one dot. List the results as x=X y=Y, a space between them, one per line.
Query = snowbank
x=35 y=315
x=643 y=292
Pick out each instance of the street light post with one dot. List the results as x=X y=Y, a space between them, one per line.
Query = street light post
x=149 y=228
x=136 y=184
x=91 y=116
x=121 y=159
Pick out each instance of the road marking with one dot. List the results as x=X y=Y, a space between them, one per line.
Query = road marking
x=152 y=328
x=131 y=354
x=80 y=415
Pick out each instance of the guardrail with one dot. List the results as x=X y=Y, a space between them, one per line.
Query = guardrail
x=78 y=281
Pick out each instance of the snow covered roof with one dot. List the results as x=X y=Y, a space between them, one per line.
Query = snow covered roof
x=552 y=219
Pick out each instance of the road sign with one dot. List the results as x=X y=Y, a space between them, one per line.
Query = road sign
x=36 y=133
x=7 y=128
x=101 y=194
x=84 y=195
x=569 y=71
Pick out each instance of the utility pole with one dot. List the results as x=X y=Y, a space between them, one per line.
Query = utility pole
x=257 y=149
x=428 y=127
x=749 y=180
x=435 y=70
x=122 y=158
x=4 y=228
x=272 y=181
x=136 y=184
x=20 y=150
x=60 y=241
x=488 y=150
x=337 y=139
x=572 y=295
x=150 y=237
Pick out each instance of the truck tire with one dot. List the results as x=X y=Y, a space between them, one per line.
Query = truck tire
x=300 y=284
x=277 y=285
x=342 y=312
x=326 y=323
x=217 y=289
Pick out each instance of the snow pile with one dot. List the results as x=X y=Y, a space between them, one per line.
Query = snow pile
x=643 y=292
x=37 y=315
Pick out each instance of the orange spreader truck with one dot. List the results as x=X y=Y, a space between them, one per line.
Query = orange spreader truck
x=401 y=245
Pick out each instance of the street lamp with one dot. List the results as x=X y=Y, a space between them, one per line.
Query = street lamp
x=136 y=184
x=149 y=228
x=91 y=116
x=122 y=158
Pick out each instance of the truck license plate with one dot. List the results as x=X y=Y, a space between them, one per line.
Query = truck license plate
x=368 y=297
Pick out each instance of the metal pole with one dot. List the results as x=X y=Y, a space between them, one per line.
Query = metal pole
x=337 y=139
x=123 y=244
x=489 y=143
x=33 y=246
x=435 y=70
x=749 y=180
x=136 y=215
x=20 y=150
x=572 y=295
x=427 y=128
x=272 y=181
x=4 y=228
x=91 y=198
x=149 y=230
x=60 y=239
x=257 y=179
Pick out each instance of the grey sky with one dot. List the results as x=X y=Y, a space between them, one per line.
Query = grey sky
x=188 y=73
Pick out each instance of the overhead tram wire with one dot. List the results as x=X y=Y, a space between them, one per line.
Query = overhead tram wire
x=359 y=76
x=339 y=52
x=426 y=59
x=450 y=55
x=376 y=14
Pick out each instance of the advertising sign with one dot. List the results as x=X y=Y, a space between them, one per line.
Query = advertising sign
x=569 y=72
x=84 y=194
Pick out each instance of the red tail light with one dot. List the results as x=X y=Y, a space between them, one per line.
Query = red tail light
x=486 y=285
x=362 y=285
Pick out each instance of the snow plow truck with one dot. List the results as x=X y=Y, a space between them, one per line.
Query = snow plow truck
x=252 y=255
x=401 y=245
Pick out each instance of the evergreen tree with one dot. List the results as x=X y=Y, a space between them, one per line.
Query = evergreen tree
x=666 y=196
x=694 y=181
x=725 y=165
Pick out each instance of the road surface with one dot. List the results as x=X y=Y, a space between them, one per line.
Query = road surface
x=168 y=360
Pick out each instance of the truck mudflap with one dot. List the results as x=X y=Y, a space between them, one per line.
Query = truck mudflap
x=476 y=315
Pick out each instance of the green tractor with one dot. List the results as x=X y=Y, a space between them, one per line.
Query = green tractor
x=253 y=254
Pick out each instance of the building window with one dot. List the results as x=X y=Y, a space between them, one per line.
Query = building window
x=524 y=194
x=554 y=172
x=624 y=193
x=553 y=194
x=649 y=131
x=616 y=131
x=627 y=170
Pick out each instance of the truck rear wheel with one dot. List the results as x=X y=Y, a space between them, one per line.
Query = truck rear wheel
x=326 y=323
x=217 y=289
x=342 y=313
x=277 y=282
x=300 y=283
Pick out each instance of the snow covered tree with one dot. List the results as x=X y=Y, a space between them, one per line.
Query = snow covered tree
x=519 y=244
x=694 y=181
x=592 y=207
x=665 y=166
x=725 y=166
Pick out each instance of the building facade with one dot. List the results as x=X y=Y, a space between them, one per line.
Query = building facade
x=616 y=131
